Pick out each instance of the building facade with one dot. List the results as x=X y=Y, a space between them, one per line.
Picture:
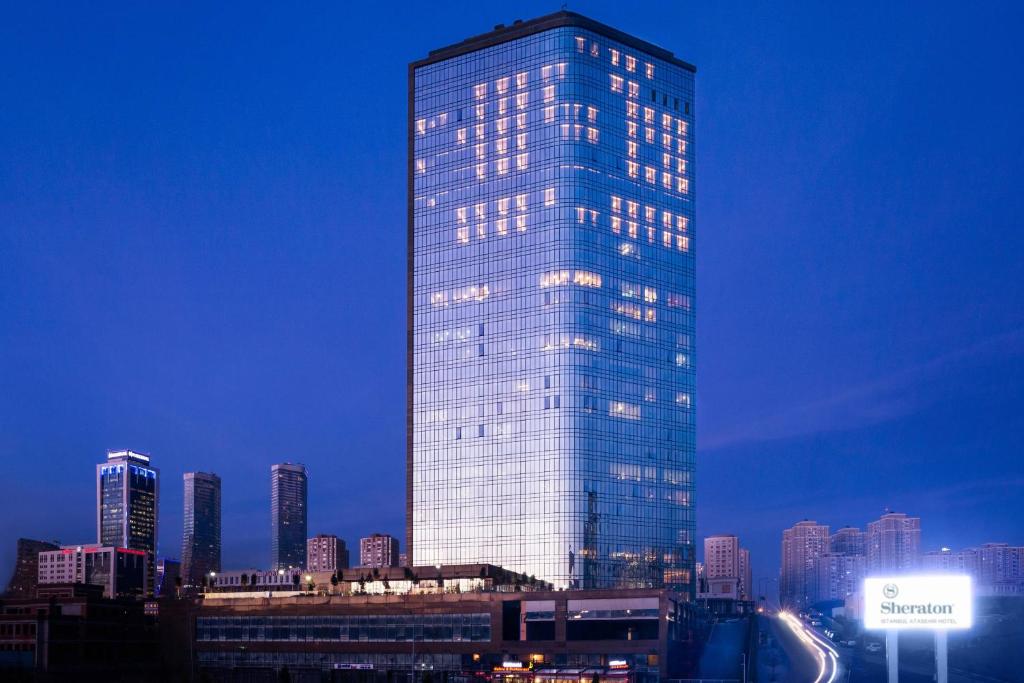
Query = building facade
x=849 y=541
x=551 y=306
x=839 y=575
x=288 y=515
x=122 y=572
x=378 y=550
x=168 y=574
x=893 y=543
x=802 y=546
x=200 y=541
x=746 y=575
x=128 y=505
x=26 y=568
x=326 y=553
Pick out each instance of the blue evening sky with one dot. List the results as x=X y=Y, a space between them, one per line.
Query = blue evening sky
x=202 y=254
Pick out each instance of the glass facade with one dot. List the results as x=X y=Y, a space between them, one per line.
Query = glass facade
x=200 y=542
x=552 y=354
x=127 y=490
x=288 y=515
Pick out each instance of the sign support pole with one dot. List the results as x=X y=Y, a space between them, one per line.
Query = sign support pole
x=941 y=657
x=892 y=655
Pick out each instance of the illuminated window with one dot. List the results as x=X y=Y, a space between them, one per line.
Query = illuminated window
x=481 y=172
x=442 y=118
x=648 y=115
x=462 y=235
x=651 y=316
x=554 y=278
x=627 y=249
x=565 y=129
x=502 y=85
x=682 y=223
x=681 y=127
x=666 y=160
x=592 y=134
x=666 y=219
x=521 y=80
x=481 y=112
x=521 y=141
x=630 y=63
x=481 y=230
x=632 y=109
x=614 y=55
x=421 y=126
x=682 y=242
x=522 y=99
x=501 y=125
x=581 y=43
x=502 y=105
x=666 y=238
x=632 y=228
x=521 y=223
x=522 y=160
x=502 y=226
x=682 y=185
x=580 y=214
x=634 y=89
x=595 y=50
x=616 y=83
x=632 y=208
x=520 y=121
x=650 y=174
x=650 y=70
x=460 y=136
x=631 y=128
x=616 y=225
x=480 y=91
x=503 y=206
x=666 y=180
x=666 y=140
x=591 y=114
x=560 y=69
x=501 y=145
x=549 y=114
x=680 y=165
x=648 y=134
x=460 y=214
x=421 y=166
x=479 y=130
x=549 y=196
x=502 y=166
x=480 y=211
x=681 y=146
x=481 y=150
x=617 y=204
x=649 y=212
x=650 y=295
x=623 y=409
x=549 y=93
x=650 y=234
x=593 y=217
x=631 y=148
x=545 y=72
x=521 y=202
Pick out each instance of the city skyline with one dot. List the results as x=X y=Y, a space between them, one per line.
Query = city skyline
x=865 y=411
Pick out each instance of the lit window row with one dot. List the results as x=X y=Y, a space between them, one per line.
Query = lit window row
x=582 y=278
x=614 y=55
x=625 y=410
x=575 y=131
x=583 y=214
x=462 y=295
x=557 y=340
x=668 y=218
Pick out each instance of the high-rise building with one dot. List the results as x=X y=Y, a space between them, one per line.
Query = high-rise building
x=128 y=504
x=122 y=572
x=997 y=568
x=200 y=541
x=288 y=515
x=893 y=543
x=378 y=550
x=26 y=568
x=849 y=541
x=802 y=545
x=551 y=306
x=326 y=553
x=168 y=573
x=839 y=575
x=724 y=558
x=746 y=575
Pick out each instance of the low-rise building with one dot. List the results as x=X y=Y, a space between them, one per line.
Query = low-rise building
x=122 y=572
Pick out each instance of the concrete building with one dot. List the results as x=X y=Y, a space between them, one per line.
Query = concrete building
x=746 y=575
x=378 y=550
x=26 y=568
x=551 y=183
x=326 y=553
x=288 y=513
x=893 y=543
x=128 y=505
x=839 y=575
x=168 y=574
x=122 y=572
x=849 y=541
x=997 y=568
x=802 y=545
x=201 y=538
x=724 y=558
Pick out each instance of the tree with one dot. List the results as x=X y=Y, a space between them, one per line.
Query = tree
x=253 y=581
x=245 y=579
x=334 y=580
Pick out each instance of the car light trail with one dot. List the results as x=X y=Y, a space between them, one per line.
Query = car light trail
x=828 y=657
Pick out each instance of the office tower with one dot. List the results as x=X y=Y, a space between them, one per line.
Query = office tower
x=802 y=545
x=849 y=541
x=26 y=568
x=745 y=575
x=551 y=294
x=326 y=553
x=168 y=573
x=288 y=515
x=200 y=540
x=122 y=572
x=128 y=504
x=893 y=543
x=378 y=550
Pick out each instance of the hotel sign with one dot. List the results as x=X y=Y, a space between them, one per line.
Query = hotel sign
x=938 y=602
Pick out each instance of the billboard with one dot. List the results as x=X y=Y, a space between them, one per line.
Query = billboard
x=937 y=602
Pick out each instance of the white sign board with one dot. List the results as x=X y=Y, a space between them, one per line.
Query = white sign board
x=937 y=602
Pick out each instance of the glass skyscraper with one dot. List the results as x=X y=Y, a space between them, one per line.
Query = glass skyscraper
x=200 y=540
x=551 y=306
x=288 y=515
x=127 y=504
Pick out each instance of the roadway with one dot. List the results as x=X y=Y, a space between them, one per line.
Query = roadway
x=810 y=657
